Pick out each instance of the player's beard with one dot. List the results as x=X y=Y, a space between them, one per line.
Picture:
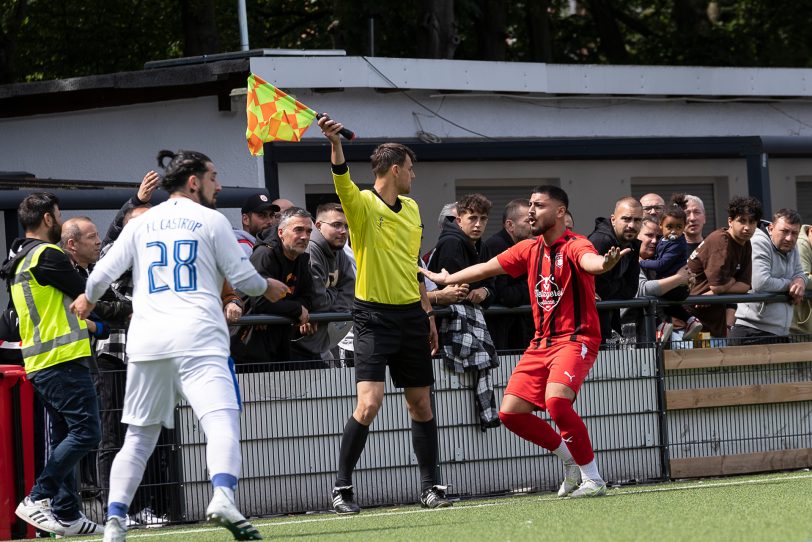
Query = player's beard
x=211 y=203
x=540 y=227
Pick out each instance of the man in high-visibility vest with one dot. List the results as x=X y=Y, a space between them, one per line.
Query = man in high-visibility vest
x=56 y=352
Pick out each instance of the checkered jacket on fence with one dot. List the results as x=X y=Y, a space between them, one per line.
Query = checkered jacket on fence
x=467 y=347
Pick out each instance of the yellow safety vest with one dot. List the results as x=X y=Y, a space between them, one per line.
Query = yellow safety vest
x=50 y=333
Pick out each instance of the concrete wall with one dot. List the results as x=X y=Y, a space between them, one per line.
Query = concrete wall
x=121 y=143
x=374 y=114
x=593 y=186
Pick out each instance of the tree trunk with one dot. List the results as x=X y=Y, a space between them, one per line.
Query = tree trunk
x=611 y=43
x=12 y=22
x=438 y=32
x=492 y=30
x=539 y=33
x=199 y=28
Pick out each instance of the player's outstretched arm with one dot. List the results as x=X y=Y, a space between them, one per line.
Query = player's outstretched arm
x=276 y=290
x=596 y=264
x=475 y=273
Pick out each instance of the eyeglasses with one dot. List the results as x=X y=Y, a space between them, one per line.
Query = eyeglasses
x=338 y=225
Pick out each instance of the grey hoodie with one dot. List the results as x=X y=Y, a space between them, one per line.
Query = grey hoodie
x=333 y=288
x=773 y=271
x=802 y=321
x=246 y=241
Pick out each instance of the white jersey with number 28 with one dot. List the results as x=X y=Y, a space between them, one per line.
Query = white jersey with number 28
x=180 y=252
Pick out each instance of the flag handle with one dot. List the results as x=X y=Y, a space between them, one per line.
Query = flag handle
x=349 y=135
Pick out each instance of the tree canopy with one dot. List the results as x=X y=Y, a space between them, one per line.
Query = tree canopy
x=42 y=39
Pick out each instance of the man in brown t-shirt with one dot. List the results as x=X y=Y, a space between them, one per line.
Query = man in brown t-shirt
x=722 y=263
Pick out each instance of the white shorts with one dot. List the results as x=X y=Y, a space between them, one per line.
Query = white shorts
x=154 y=387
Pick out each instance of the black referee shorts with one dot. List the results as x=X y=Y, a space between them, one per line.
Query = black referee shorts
x=395 y=336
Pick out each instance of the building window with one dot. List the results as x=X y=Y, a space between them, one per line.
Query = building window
x=804 y=198
x=500 y=195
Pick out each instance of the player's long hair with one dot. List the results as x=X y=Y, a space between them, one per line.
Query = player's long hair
x=182 y=164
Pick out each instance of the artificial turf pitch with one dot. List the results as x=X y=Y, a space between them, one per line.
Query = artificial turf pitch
x=773 y=507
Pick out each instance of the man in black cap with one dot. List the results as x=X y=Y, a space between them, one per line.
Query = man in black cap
x=258 y=213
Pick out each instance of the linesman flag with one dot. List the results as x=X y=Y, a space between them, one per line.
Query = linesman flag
x=273 y=115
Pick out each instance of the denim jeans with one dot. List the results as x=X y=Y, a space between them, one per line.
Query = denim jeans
x=68 y=394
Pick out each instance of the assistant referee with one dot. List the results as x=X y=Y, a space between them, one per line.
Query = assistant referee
x=392 y=319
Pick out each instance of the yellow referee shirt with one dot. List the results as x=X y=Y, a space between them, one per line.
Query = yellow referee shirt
x=386 y=244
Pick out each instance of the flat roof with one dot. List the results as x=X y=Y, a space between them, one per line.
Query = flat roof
x=527 y=77
x=217 y=75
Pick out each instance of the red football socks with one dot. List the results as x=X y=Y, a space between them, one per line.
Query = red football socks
x=573 y=430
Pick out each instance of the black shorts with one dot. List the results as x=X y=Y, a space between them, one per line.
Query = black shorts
x=394 y=336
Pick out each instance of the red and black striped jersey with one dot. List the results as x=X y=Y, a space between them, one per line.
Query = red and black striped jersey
x=562 y=294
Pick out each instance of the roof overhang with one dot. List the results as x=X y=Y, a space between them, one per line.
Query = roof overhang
x=218 y=75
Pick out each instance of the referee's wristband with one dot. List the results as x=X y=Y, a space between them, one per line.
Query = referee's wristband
x=430 y=314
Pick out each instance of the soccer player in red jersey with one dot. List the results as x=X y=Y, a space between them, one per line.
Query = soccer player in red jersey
x=560 y=266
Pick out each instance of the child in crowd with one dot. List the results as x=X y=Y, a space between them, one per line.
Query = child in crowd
x=671 y=255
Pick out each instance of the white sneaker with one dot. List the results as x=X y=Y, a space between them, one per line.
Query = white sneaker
x=81 y=526
x=572 y=477
x=590 y=488
x=115 y=530
x=223 y=512
x=692 y=330
x=664 y=331
x=38 y=514
x=150 y=519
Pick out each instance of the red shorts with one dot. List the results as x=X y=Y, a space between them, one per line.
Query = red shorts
x=567 y=362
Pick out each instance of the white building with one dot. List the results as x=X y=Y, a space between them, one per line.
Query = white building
x=600 y=132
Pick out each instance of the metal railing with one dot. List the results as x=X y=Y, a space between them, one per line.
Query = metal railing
x=293 y=420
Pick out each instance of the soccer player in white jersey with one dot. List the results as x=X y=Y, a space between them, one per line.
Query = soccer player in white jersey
x=180 y=252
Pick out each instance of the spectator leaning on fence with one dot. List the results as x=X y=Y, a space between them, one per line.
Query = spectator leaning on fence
x=776 y=268
x=651 y=286
x=333 y=281
x=453 y=292
x=618 y=231
x=802 y=317
x=279 y=255
x=257 y=214
x=57 y=354
x=669 y=258
x=514 y=330
x=392 y=318
x=722 y=263
x=460 y=244
x=695 y=214
x=447 y=214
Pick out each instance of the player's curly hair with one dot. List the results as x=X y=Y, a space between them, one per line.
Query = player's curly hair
x=746 y=206
x=182 y=164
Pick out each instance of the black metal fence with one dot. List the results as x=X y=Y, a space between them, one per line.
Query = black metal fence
x=293 y=419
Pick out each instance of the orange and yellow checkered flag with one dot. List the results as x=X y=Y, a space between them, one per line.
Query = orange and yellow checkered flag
x=273 y=115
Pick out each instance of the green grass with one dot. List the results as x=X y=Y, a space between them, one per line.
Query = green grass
x=774 y=507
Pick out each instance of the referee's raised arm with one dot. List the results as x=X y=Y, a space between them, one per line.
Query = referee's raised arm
x=331 y=129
